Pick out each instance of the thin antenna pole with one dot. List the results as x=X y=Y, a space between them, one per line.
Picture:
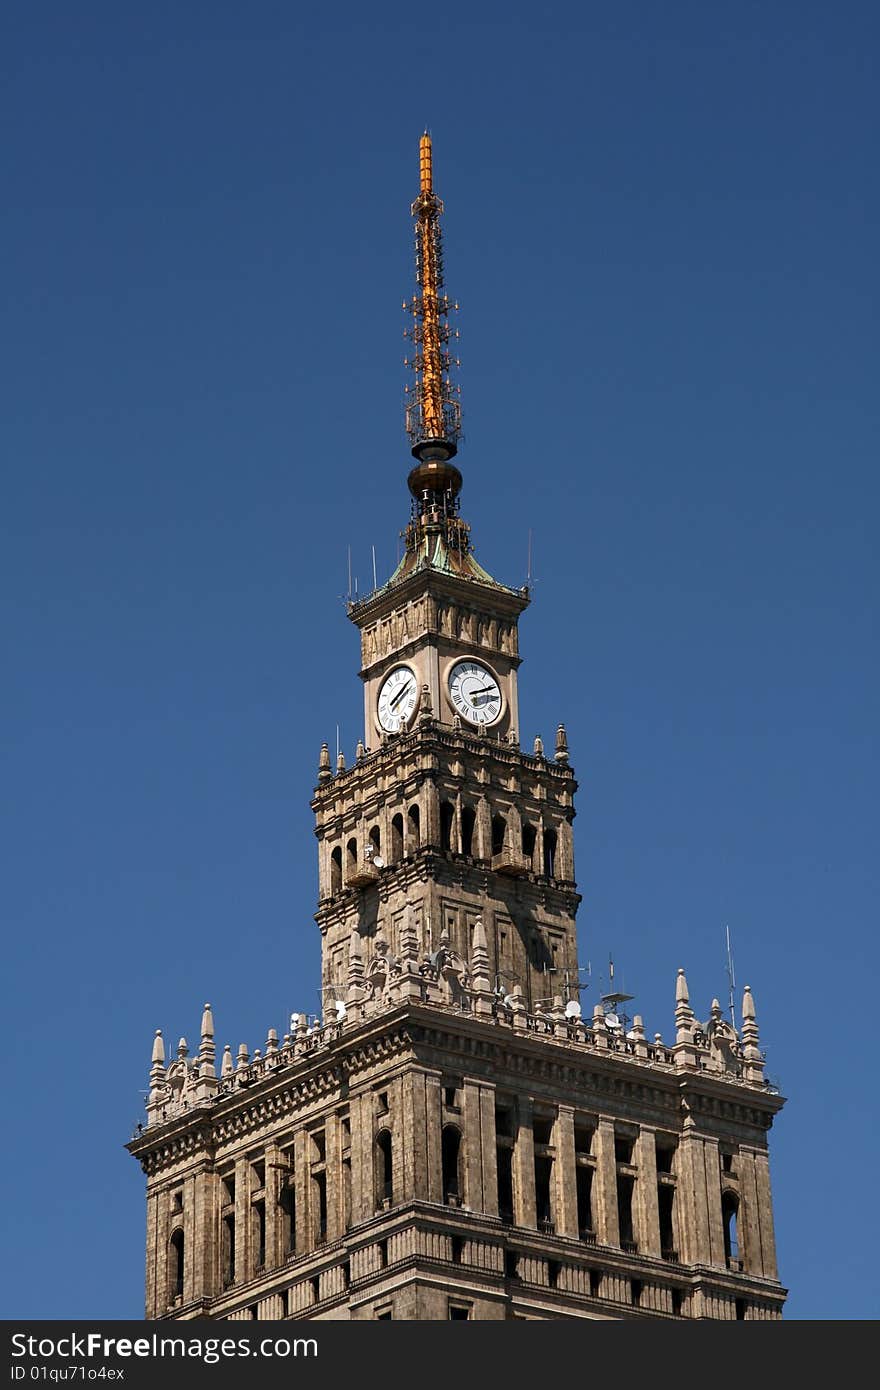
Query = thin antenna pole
x=529 y=569
x=349 y=573
x=375 y=581
x=731 y=978
x=337 y=743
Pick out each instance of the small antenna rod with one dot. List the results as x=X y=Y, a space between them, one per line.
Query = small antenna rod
x=337 y=743
x=731 y=978
x=529 y=569
x=375 y=582
x=349 y=574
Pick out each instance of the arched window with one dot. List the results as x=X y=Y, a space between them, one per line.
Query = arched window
x=384 y=1167
x=376 y=839
x=730 y=1220
x=499 y=830
x=550 y=853
x=175 y=1265
x=336 y=870
x=413 y=826
x=351 y=854
x=468 y=825
x=450 y=1149
x=397 y=839
x=529 y=840
x=447 y=819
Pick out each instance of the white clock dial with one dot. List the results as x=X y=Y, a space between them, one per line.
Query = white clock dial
x=397 y=699
x=474 y=692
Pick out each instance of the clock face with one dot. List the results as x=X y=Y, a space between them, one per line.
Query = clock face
x=397 y=699
x=474 y=692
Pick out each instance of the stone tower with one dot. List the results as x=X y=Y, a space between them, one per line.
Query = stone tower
x=450 y=1139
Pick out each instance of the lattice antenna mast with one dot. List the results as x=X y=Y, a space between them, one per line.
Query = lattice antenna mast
x=433 y=410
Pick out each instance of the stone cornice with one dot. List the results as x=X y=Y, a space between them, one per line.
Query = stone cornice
x=494 y=597
x=496 y=1051
x=433 y=739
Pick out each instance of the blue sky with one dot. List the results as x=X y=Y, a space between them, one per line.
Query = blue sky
x=662 y=228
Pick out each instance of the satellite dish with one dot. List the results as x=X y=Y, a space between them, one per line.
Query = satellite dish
x=612 y=1021
x=341 y=1010
x=378 y=861
x=572 y=1009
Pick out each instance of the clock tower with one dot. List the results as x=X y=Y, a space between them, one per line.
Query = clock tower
x=450 y=1138
x=443 y=821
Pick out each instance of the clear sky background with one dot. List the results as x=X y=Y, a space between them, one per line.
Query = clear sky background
x=662 y=227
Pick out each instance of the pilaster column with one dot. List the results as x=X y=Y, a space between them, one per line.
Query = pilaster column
x=606 y=1183
x=483 y=829
x=415 y=1130
x=399 y=1163
x=489 y=1150
x=748 y=1215
x=243 y=1242
x=698 y=1198
x=302 y=1180
x=433 y=1151
x=206 y=1264
x=765 y=1214
x=189 y=1239
x=359 y=1120
x=524 y=1166
x=565 y=1174
x=473 y=1157
x=430 y=813
x=712 y=1171
x=152 y=1258
x=333 y=1177
x=647 y=1204
x=274 y=1177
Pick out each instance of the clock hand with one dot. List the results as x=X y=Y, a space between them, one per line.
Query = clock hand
x=399 y=696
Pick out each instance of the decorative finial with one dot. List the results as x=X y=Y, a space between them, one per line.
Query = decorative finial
x=243 y=1058
x=752 y=1056
x=684 y=1014
x=158 y=1048
x=324 y=772
x=561 y=754
x=226 y=1067
x=481 y=984
x=206 y=1044
x=408 y=936
x=340 y=761
x=539 y=746
x=360 y=752
x=426 y=705
x=182 y=1049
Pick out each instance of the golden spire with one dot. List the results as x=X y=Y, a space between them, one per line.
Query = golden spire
x=433 y=413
